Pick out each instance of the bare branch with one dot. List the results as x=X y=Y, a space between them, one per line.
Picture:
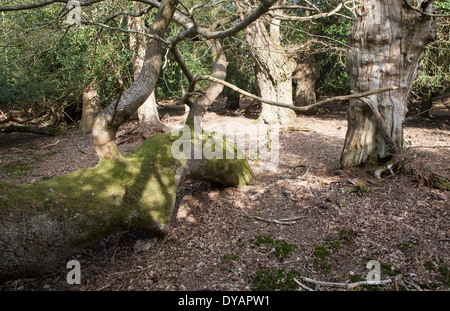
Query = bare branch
x=302 y=108
x=382 y=125
x=41 y=4
x=307 y=18
x=133 y=14
x=292 y=7
x=423 y=12
x=346 y=285
x=127 y=31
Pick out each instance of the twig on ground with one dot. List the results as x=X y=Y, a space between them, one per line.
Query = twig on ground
x=283 y=221
x=303 y=285
x=264 y=190
x=164 y=241
x=51 y=145
x=346 y=285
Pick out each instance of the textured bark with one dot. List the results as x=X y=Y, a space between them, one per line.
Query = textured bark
x=273 y=68
x=426 y=104
x=91 y=107
x=43 y=223
x=110 y=119
x=219 y=71
x=305 y=77
x=149 y=121
x=386 y=44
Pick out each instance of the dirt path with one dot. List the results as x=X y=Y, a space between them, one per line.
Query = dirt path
x=312 y=219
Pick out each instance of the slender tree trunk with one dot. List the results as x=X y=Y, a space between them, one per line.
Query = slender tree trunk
x=91 y=107
x=108 y=122
x=273 y=68
x=149 y=121
x=386 y=46
x=219 y=71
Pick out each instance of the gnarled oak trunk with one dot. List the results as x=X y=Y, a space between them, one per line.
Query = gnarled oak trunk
x=386 y=46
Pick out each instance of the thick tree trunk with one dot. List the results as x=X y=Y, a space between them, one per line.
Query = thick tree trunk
x=43 y=223
x=305 y=77
x=386 y=47
x=149 y=121
x=426 y=104
x=110 y=119
x=91 y=107
x=273 y=68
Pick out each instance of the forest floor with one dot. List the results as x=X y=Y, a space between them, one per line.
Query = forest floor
x=303 y=218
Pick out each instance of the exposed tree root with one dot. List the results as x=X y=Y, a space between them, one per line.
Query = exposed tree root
x=409 y=164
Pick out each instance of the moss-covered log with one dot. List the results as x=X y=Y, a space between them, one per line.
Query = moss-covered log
x=45 y=222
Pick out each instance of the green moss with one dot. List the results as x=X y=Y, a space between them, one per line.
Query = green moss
x=229 y=257
x=121 y=193
x=442 y=183
x=274 y=280
x=281 y=248
x=347 y=236
x=321 y=254
x=360 y=188
x=386 y=268
x=117 y=194
x=408 y=246
x=232 y=161
x=429 y=265
x=445 y=274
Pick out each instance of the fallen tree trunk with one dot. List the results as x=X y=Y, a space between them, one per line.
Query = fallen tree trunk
x=49 y=131
x=45 y=222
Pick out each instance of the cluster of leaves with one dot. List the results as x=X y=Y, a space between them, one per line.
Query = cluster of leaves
x=434 y=76
x=45 y=63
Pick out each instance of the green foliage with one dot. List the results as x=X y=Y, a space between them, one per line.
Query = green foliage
x=434 y=76
x=45 y=64
x=328 y=36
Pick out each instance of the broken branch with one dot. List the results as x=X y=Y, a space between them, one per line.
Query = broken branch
x=346 y=285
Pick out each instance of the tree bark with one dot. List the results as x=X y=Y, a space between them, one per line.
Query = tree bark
x=200 y=105
x=305 y=77
x=91 y=107
x=273 y=68
x=426 y=104
x=386 y=45
x=43 y=223
x=149 y=121
x=110 y=119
